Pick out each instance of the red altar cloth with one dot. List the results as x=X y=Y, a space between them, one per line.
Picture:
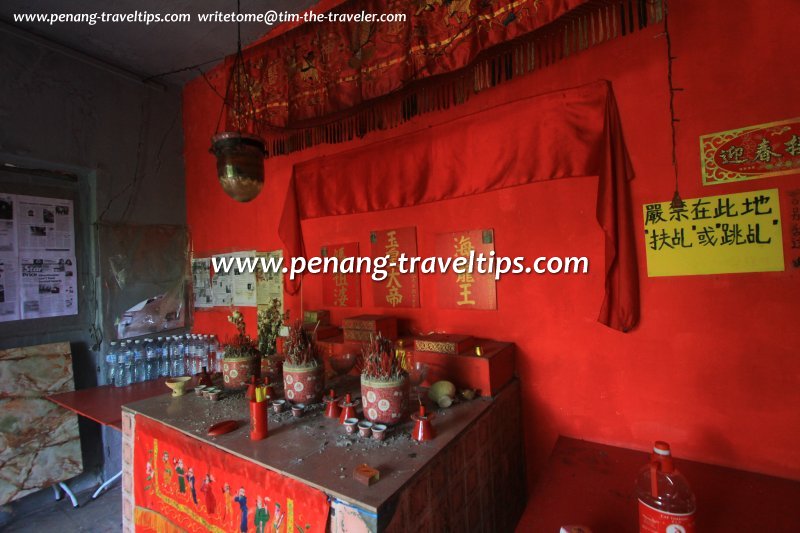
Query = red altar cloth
x=181 y=485
x=570 y=133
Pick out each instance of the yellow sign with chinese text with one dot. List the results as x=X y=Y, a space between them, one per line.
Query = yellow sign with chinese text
x=714 y=235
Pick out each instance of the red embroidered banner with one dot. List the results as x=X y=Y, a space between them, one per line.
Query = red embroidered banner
x=341 y=290
x=466 y=290
x=570 y=133
x=181 y=484
x=397 y=290
x=333 y=81
x=323 y=67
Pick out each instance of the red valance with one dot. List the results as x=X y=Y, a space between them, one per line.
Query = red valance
x=320 y=68
x=563 y=134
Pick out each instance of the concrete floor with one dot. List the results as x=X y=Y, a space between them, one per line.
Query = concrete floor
x=97 y=516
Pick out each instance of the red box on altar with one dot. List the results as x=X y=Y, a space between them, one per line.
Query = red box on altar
x=321 y=332
x=323 y=316
x=360 y=328
x=444 y=343
x=487 y=373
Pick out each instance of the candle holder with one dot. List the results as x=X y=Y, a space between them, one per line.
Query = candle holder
x=332 y=408
x=348 y=408
x=423 y=429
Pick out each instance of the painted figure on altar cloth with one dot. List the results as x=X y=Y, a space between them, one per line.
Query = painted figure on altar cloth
x=261 y=515
x=148 y=477
x=278 y=522
x=180 y=471
x=227 y=511
x=190 y=479
x=241 y=499
x=211 y=500
x=167 y=470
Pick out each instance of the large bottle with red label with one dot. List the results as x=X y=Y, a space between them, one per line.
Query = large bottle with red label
x=666 y=503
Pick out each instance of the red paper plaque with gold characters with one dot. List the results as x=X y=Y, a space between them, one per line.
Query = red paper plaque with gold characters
x=466 y=290
x=183 y=485
x=338 y=289
x=752 y=152
x=397 y=290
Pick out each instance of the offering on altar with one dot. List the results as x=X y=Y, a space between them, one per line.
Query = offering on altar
x=384 y=383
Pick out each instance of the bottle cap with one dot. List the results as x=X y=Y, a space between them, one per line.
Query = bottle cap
x=661 y=448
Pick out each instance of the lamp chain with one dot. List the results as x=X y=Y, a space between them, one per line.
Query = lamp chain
x=677 y=202
x=238 y=79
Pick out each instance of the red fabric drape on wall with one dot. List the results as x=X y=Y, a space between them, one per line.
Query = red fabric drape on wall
x=563 y=134
x=325 y=67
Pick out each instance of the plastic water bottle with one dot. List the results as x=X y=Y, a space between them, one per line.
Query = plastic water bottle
x=152 y=359
x=193 y=353
x=138 y=362
x=124 y=375
x=188 y=350
x=162 y=349
x=111 y=363
x=666 y=503
x=177 y=357
x=207 y=358
x=214 y=357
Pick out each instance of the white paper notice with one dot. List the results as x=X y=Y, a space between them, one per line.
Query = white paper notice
x=269 y=283
x=49 y=284
x=201 y=282
x=244 y=278
x=222 y=285
x=8 y=231
x=45 y=224
x=9 y=287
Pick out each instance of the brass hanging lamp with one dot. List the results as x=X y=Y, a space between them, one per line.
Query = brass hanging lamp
x=240 y=153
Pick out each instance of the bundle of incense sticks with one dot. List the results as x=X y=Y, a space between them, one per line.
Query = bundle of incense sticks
x=261 y=393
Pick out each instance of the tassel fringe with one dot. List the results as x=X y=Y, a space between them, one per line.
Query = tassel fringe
x=592 y=24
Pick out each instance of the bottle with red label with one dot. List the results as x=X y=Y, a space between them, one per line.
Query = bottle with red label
x=666 y=503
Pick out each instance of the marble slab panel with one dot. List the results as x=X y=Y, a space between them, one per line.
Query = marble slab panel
x=39 y=440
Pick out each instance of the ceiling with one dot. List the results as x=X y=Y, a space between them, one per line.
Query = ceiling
x=155 y=49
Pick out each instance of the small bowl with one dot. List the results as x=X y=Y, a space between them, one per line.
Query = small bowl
x=213 y=394
x=198 y=390
x=178 y=385
x=278 y=406
x=379 y=431
x=298 y=409
x=365 y=428
x=350 y=425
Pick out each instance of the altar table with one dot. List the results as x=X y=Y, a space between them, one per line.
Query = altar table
x=469 y=478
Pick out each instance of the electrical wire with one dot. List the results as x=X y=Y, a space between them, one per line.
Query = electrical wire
x=672 y=90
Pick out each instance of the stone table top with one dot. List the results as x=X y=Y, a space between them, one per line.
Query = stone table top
x=313 y=449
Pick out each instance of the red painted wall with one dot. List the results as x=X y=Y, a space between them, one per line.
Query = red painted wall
x=713 y=366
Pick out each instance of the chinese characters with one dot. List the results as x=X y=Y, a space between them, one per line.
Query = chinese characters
x=716 y=234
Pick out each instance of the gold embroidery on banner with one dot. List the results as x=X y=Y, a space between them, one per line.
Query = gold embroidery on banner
x=435 y=346
x=358 y=335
